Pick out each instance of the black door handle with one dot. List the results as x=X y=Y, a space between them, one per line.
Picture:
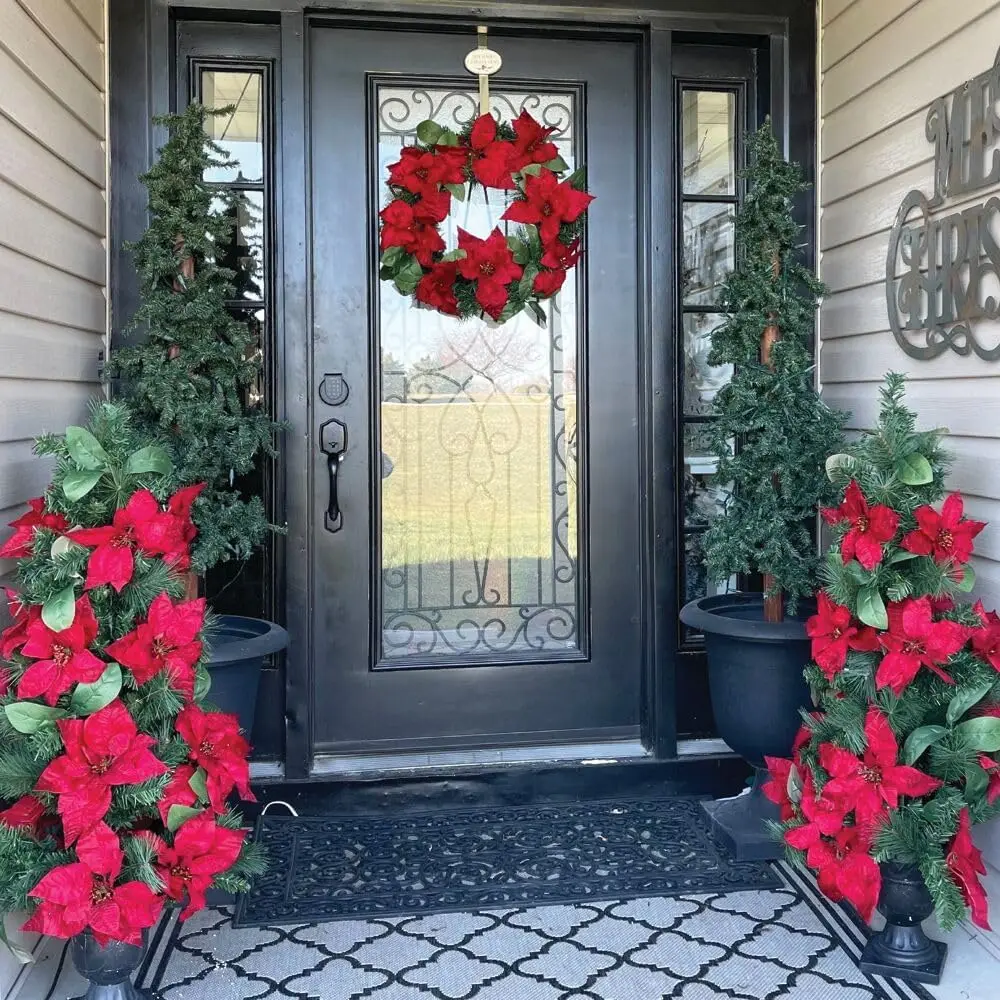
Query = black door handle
x=333 y=443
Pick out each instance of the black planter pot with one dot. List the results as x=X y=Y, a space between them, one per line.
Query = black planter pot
x=239 y=647
x=902 y=950
x=108 y=968
x=757 y=688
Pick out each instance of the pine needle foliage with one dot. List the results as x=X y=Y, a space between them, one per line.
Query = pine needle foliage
x=188 y=375
x=773 y=432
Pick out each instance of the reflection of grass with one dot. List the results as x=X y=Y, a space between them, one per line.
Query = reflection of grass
x=472 y=479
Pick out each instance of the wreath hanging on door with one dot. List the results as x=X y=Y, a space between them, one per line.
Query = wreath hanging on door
x=502 y=275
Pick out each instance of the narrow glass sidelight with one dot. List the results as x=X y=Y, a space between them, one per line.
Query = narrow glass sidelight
x=241 y=132
x=479 y=440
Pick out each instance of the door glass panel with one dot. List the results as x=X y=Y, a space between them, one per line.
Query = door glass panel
x=240 y=132
x=702 y=381
x=708 y=120
x=479 y=440
x=708 y=251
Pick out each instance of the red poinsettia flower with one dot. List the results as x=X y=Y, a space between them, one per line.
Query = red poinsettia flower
x=421 y=171
x=875 y=781
x=558 y=255
x=25 y=814
x=992 y=768
x=166 y=640
x=217 y=746
x=178 y=791
x=776 y=787
x=437 y=288
x=965 y=864
x=871 y=526
x=62 y=658
x=547 y=283
x=490 y=263
x=986 y=639
x=833 y=633
x=548 y=203
x=404 y=226
x=139 y=525
x=84 y=895
x=179 y=529
x=531 y=144
x=915 y=640
x=944 y=536
x=200 y=851
x=103 y=750
x=845 y=870
x=493 y=160
x=15 y=636
x=19 y=544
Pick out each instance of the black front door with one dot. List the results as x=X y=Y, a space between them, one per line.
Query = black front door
x=480 y=585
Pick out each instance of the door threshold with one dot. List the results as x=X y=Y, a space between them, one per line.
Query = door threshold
x=394 y=764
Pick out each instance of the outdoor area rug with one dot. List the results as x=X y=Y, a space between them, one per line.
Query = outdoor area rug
x=351 y=867
x=783 y=943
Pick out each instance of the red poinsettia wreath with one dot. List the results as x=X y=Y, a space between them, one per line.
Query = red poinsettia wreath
x=502 y=275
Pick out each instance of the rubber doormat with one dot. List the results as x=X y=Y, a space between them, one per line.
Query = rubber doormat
x=355 y=867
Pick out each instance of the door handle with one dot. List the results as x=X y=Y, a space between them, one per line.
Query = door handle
x=333 y=444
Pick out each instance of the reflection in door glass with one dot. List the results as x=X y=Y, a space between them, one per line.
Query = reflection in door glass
x=479 y=440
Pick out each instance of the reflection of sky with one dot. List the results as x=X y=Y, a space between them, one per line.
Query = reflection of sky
x=249 y=156
x=410 y=334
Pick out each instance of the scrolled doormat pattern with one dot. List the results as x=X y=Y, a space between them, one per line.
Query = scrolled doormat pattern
x=357 y=867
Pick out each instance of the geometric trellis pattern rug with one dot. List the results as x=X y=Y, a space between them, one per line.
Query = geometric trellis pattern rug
x=763 y=944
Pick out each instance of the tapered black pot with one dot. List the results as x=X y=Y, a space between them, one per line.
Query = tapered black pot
x=239 y=646
x=108 y=968
x=902 y=950
x=755 y=679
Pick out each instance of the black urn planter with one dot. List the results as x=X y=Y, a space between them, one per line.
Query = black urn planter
x=901 y=949
x=757 y=688
x=238 y=648
x=108 y=968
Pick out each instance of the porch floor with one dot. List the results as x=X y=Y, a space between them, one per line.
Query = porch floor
x=756 y=945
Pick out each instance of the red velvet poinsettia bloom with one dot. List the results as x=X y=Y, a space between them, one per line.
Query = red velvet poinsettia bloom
x=490 y=263
x=83 y=895
x=986 y=639
x=25 y=814
x=217 y=746
x=201 y=850
x=992 y=768
x=548 y=203
x=15 y=636
x=531 y=143
x=178 y=791
x=179 y=530
x=547 y=283
x=62 y=658
x=103 y=750
x=166 y=640
x=139 y=525
x=823 y=816
x=845 y=870
x=915 y=640
x=402 y=226
x=421 y=171
x=437 y=288
x=558 y=255
x=945 y=536
x=871 y=526
x=833 y=633
x=493 y=160
x=776 y=787
x=19 y=544
x=965 y=864
x=874 y=782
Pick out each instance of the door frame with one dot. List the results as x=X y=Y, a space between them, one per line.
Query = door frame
x=142 y=59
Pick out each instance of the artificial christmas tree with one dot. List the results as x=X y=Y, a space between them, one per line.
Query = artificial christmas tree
x=189 y=375
x=772 y=434
x=118 y=798
x=899 y=758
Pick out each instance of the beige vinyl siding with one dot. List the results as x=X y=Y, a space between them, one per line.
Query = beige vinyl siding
x=53 y=211
x=882 y=63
